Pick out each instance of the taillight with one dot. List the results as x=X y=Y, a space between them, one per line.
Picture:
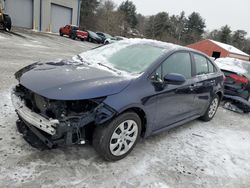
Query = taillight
x=238 y=78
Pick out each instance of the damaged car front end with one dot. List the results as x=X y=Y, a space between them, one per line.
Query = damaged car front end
x=50 y=121
x=57 y=122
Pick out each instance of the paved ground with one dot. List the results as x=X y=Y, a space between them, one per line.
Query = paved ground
x=214 y=154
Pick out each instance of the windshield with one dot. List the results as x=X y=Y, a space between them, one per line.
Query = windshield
x=107 y=35
x=75 y=28
x=129 y=56
x=93 y=34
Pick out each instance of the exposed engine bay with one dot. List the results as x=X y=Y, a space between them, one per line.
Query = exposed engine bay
x=55 y=122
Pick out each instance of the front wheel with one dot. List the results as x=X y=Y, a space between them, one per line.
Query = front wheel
x=212 y=109
x=116 y=140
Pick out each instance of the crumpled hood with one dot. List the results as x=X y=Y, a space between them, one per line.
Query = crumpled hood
x=66 y=80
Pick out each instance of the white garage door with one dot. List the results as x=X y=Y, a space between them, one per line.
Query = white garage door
x=60 y=16
x=21 y=12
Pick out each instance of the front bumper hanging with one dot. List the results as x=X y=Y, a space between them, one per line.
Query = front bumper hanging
x=69 y=130
x=32 y=118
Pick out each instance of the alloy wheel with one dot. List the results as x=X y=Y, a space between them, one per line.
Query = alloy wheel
x=123 y=138
x=213 y=107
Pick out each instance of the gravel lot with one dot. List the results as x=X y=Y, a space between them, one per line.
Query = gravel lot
x=198 y=154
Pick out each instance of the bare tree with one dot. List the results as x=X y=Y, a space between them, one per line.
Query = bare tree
x=109 y=20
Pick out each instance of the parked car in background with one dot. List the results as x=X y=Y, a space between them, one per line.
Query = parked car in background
x=114 y=94
x=103 y=36
x=93 y=37
x=237 y=81
x=114 y=39
x=73 y=32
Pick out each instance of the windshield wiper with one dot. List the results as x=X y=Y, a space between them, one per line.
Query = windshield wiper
x=81 y=59
x=110 y=68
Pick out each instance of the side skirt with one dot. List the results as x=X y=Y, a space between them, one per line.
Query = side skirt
x=175 y=124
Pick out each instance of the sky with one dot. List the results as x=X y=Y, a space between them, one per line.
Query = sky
x=217 y=13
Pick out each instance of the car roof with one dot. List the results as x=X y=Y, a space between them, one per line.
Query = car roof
x=72 y=25
x=165 y=45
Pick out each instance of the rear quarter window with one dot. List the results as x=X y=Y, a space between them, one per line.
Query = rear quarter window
x=201 y=64
x=211 y=67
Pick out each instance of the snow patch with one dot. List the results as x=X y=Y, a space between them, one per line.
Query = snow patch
x=82 y=67
x=33 y=46
x=229 y=48
x=2 y=38
x=234 y=65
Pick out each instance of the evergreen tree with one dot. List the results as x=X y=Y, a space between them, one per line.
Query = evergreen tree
x=239 y=38
x=195 y=26
x=129 y=10
x=225 y=34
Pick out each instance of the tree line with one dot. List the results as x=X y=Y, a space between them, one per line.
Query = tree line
x=123 y=20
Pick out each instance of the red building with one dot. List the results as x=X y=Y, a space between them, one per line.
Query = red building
x=217 y=49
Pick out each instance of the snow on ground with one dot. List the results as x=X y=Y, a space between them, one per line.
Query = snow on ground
x=198 y=154
x=33 y=46
x=2 y=38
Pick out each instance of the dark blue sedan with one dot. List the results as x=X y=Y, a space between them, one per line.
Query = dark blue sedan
x=112 y=95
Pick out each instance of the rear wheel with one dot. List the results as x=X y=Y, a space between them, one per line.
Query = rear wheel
x=116 y=140
x=7 y=22
x=212 y=109
x=72 y=35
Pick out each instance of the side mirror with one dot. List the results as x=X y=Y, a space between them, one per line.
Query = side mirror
x=174 y=79
x=157 y=82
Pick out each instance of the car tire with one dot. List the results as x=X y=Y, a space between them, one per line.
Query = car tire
x=90 y=39
x=212 y=109
x=7 y=22
x=107 y=42
x=72 y=35
x=117 y=139
x=61 y=34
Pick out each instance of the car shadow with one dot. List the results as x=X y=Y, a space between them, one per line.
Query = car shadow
x=87 y=153
x=11 y=33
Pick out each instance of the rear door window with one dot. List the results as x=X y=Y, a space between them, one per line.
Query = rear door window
x=211 y=68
